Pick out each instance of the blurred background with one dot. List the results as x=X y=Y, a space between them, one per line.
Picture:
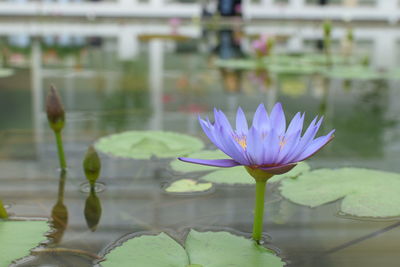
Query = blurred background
x=137 y=65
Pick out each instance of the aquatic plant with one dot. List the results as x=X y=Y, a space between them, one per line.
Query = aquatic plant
x=3 y=211
x=91 y=165
x=56 y=117
x=265 y=150
x=263 y=45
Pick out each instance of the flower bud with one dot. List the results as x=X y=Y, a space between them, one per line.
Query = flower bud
x=55 y=110
x=327 y=28
x=92 y=165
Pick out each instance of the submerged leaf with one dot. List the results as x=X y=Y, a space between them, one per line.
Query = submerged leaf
x=143 y=251
x=144 y=144
x=188 y=186
x=18 y=237
x=239 y=175
x=216 y=249
x=366 y=193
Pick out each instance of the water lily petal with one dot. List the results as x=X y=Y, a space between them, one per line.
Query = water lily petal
x=225 y=163
x=278 y=120
x=270 y=147
x=222 y=120
x=296 y=124
x=254 y=147
x=316 y=145
x=241 y=122
x=261 y=119
x=289 y=145
x=280 y=169
x=231 y=147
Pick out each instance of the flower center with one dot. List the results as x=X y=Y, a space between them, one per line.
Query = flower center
x=282 y=142
x=241 y=141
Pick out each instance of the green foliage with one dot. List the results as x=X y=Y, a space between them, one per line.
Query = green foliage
x=203 y=249
x=365 y=193
x=187 y=186
x=18 y=237
x=144 y=144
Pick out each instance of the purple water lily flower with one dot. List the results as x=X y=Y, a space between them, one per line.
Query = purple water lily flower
x=268 y=146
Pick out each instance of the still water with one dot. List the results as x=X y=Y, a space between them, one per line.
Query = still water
x=110 y=83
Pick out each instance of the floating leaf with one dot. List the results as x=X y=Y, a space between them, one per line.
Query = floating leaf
x=353 y=73
x=181 y=166
x=207 y=249
x=216 y=249
x=144 y=144
x=188 y=186
x=18 y=237
x=239 y=175
x=366 y=193
x=6 y=72
x=143 y=251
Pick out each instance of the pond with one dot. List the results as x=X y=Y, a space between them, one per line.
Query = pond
x=161 y=82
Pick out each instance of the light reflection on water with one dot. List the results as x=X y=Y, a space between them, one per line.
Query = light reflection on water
x=162 y=86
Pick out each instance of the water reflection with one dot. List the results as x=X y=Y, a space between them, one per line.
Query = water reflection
x=59 y=213
x=92 y=210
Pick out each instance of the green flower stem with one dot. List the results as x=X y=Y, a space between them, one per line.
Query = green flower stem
x=3 y=212
x=259 y=210
x=60 y=149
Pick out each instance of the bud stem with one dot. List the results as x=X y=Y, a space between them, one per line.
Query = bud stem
x=60 y=150
x=259 y=210
x=3 y=212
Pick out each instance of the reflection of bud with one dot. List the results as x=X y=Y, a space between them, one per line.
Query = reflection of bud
x=59 y=215
x=55 y=110
x=91 y=165
x=92 y=210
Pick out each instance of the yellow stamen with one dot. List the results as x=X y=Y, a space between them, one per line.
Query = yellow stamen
x=241 y=141
x=282 y=142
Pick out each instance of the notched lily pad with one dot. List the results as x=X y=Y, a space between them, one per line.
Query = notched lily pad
x=188 y=186
x=216 y=249
x=203 y=249
x=18 y=237
x=181 y=166
x=144 y=144
x=239 y=175
x=365 y=193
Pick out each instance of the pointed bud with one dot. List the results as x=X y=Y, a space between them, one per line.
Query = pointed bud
x=92 y=165
x=3 y=211
x=55 y=110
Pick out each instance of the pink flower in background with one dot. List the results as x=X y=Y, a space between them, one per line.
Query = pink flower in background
x=175 y=23
x=262 y=45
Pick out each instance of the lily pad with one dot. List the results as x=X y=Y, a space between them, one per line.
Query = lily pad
x=239 y=175
x=365 y=193
x=144 y=144
x=188 y=186
x=181 y=166
x=143 y=251
x=203 y=249
x=353 y=73
x=18 y=237
x=216 y=249
x=6 y=72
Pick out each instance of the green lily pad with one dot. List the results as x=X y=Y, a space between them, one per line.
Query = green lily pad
x=160 y=251
x=144 y=144
x=216 y=249
x=6 y=72
x=181 y=166
x=18 y=237
x=188 y=186
x=353 y=73
x=365 y=193
x=239 y=175
x=207 y=249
